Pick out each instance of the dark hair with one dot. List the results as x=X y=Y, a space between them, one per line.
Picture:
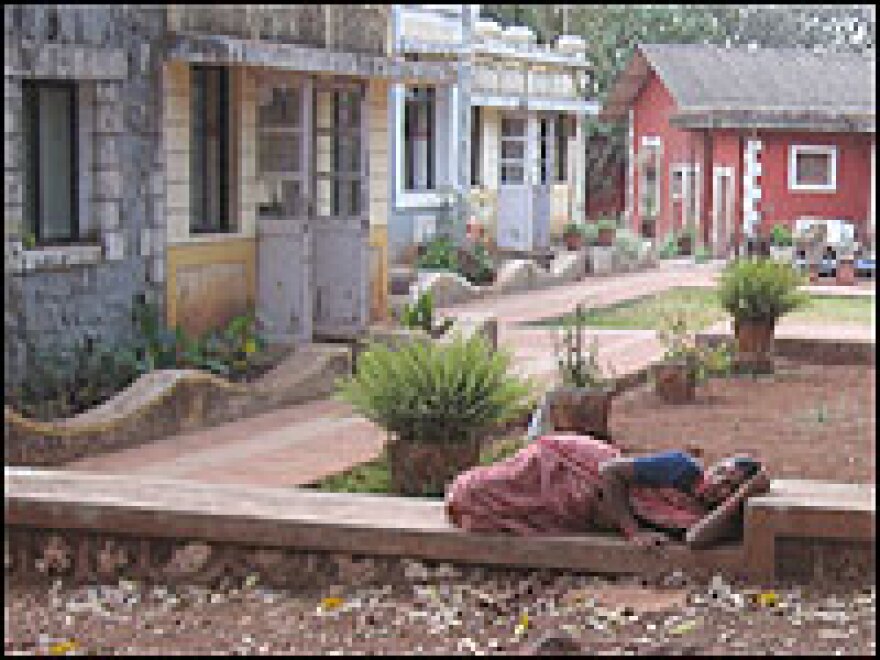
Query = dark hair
x=749 y=466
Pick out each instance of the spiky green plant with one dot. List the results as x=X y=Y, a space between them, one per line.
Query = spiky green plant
x=760 y=289
x=578 y=363
x=425 y=392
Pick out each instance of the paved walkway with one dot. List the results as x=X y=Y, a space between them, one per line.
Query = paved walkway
x=301 y=444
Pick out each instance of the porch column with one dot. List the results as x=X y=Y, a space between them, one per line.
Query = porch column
x=872 y=202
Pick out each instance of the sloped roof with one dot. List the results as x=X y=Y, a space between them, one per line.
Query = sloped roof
x=784 y=87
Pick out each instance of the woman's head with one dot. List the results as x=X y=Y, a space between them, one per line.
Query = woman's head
x=722 y=479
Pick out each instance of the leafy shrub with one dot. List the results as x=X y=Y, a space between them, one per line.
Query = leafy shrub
x=677 y=333
x=578 y=363
x=440 y=254
x=573 y=229
x=425 y=392
x=606 y=222
x=669 y=247
x=62 y=382
x=476 y=265
x=702 y=254
x=760 y=289
x=420 y=315
x=781 y=236
x=627 y=243
x=591 y=233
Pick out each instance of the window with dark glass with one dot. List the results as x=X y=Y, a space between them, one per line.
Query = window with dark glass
x=476 y=145
x=209 y=155
x=50 y=152
x=561 y=149
x=418 y=138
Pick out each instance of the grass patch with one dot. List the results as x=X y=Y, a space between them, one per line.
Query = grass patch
x=373 y=476
x=702 y=305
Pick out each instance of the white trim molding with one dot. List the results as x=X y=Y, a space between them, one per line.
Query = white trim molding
x=796 y=150
x=751 y=186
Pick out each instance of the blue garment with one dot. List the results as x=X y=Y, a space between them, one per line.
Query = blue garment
x=674 y=469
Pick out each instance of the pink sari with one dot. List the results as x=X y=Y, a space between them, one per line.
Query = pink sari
x=550 y=487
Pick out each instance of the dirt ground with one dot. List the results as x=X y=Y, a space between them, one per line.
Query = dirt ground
x=505 y=613
x=804 y=422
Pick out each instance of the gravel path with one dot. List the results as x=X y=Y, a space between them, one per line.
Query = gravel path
x=442 y=612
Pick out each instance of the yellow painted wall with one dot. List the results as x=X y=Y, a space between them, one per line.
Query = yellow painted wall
x=379 y=173
x=490 y=174
x=209 y=278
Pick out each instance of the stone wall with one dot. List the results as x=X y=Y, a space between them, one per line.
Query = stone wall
x=61 y=295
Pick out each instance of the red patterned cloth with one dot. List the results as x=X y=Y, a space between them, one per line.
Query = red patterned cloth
x=550 y=487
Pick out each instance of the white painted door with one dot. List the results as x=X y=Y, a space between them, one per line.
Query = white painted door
x=514 y=231
x=722 y=211
x=283 y=245
x=340 y=219
x=543 y=189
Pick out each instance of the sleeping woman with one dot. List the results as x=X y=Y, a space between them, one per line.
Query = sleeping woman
x=566 y=484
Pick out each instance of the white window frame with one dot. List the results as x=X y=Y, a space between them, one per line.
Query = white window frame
x=796 y=150
x=650 y=141
x=413 y=199
x=690 y=189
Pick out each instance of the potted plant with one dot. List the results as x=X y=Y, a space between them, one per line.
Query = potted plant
x=686 y=240
x=436 y=401
x=675 y=376
x=606 y=228
x=649 y=219
x=420 y=315
x=781 y=244
x=669 y=247
x=845 y=272
x=573 y=236
x=757 y=293
x=581 y=404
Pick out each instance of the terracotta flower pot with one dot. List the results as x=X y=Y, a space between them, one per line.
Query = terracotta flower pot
x=648 y=229
x=605 y=236
x=573 y=242
x=426 y=468
x=685 y=245
x=675 y=382
x=580 y=410
x=846 y=272
x=754 y=345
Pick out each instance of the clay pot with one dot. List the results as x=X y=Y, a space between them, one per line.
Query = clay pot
x=580 y=410
x=573 y=242
x=685 y=245
x=814 y=273
x=754 y=345
x=675 y=382
x=649 y=229
x=605 y=236
x=426 y=468
x=846 y=272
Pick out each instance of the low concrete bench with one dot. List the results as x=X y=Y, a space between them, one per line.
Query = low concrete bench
x=811 y=530
x=248 y=520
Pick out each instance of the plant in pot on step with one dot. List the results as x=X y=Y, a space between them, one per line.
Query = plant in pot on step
x=846 y=262
x=573 y=236
x=686 y=240
x=781 y=244
x=436 y=401
x=582 y=403
x=606 y=228
x=420 y=315
x=757 y=293
x=675 y=376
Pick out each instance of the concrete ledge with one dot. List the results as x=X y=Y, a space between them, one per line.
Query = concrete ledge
x=303 y=521
x=815 y=344
x=166 y=402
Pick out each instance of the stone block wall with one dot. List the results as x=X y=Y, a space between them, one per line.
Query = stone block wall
x=57 y=296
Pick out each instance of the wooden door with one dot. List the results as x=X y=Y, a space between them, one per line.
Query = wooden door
x=340 y=220
x=283 y=246
x=514 y=230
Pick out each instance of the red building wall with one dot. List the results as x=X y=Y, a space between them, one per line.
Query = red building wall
x=850 y=200
x=652 y=109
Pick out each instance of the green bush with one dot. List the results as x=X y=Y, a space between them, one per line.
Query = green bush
x=420 y=315
x=578 y=363
x=440 y=254
x=781 y=236
x=425 y=392
x=627 y=243
x=669 y=247
x=477 y=265
x=590 y=232
x=606 y=222
x=702 y=254
x=573 y=229
x=760 y=289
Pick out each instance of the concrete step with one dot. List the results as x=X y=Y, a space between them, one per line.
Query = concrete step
x=374 y=525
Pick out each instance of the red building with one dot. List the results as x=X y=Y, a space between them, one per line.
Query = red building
x=731 y=142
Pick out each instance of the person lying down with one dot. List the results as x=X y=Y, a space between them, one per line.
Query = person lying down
x=568 y=484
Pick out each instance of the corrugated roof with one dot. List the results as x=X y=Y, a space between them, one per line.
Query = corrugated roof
x=713 y=81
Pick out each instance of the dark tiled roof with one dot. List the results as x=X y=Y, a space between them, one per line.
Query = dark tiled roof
x=742 y=85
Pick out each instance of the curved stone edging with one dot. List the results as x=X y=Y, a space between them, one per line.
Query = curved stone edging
x=168 y=402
